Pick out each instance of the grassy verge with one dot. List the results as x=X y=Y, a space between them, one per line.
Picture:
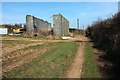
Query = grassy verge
x=90 y=69
x=13 y=42
x=52 y=64
x=25 y=36
x=42 y=37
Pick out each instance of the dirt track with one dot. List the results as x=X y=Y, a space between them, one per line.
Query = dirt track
x=75 y=70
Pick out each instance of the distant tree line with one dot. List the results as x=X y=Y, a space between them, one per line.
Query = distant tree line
x=106 y=36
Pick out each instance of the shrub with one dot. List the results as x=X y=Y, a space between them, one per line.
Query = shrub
x=106 y=35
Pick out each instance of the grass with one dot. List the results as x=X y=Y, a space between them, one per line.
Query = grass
x=6 y=35
x=25 y=36
x=52 y=64
x=13 y=42
x=42 y=37
x=90 y=69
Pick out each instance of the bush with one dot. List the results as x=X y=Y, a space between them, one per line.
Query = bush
x=106 y=35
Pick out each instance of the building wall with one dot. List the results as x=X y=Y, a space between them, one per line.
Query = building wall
x=3 y=30
x=60 y=25
x=36 y=26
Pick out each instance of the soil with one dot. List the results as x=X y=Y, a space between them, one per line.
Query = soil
x=8 y=49
x=17 y=60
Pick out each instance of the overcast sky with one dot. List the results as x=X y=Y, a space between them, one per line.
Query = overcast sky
x=87 y=12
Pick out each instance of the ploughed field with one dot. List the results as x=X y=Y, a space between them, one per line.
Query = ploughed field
x=36 y=59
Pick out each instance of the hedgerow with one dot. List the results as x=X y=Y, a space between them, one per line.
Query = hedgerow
x=106 y=36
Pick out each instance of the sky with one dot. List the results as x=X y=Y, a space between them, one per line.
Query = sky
x=87 y=12
x=59 y=0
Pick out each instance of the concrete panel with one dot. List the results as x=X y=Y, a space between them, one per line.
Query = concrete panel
x=57 y=25
x=29 y=25
x=60 y=25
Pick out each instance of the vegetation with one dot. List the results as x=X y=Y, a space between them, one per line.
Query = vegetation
x=106 y=36
x=42 y=37
x=13 y=42
x=51 y=64
x=24 y=36
x=90 y=69
x=76 y=31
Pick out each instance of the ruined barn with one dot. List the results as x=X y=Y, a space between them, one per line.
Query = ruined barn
x=60 y=25
x=36 y=26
